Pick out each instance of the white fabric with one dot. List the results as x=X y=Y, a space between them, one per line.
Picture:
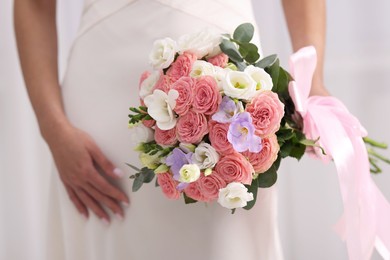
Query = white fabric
x=101 y=81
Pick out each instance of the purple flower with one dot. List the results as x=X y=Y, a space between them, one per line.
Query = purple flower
x=227 y=110
x=241 y=134
x=176 y=160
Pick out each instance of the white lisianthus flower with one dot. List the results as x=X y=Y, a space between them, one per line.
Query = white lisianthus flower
x=147 y=85
x=234 y=195
x=220 y=74
x=160 y=108
x=238 y=84
x=202 y=68
x=163 y=53
x=262 y=78
x=189 y=173
x=141 y=133
x=201 y=43
x=205 y=156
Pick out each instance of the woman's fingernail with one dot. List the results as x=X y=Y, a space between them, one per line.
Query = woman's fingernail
x=119 y=216
x=105 y=221
x=125 y=204
x=118 y=172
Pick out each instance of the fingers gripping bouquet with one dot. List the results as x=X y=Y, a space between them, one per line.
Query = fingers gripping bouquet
x=219 y=119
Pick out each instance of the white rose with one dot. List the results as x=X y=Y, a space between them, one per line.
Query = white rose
x=202 y=68
x=238 y=84
x=205 y=156
x=160 y=108
x=163 y=53
x=148 y=84
x=189 y=173
x=200 y=43
x=263 y=79
x=141 y=133
x=234 y=195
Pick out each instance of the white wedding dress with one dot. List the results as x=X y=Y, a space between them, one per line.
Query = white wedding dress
x=100 y=84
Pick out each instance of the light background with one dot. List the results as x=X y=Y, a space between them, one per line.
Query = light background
x=357 y=69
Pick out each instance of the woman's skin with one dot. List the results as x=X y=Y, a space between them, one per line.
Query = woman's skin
x=75 y=153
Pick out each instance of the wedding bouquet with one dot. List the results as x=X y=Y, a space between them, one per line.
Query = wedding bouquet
x=218 y=119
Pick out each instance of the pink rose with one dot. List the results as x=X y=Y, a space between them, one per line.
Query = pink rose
x=267 y=111
x=193 y=191
x=220 y=60
x=165 y=137
x=168 y=185
x=192 y=127
x=263 y=160
x=185 y=87
x=163 y=83
x=149 y=123
x=218 y=137
x=235 y=168
x=207 y=97
x=182 y=66
x=209 y=185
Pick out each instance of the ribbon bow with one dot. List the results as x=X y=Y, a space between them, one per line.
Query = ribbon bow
x=366 y=219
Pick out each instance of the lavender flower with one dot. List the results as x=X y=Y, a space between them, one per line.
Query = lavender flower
x=241 y=134
x=176 y=160
x=228 y=109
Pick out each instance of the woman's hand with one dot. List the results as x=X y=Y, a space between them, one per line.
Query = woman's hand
x=77 y=158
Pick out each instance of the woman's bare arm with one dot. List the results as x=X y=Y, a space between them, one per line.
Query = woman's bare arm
x=306 y=21
x=74 y=152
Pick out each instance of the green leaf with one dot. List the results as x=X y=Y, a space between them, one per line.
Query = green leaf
x=285 y=149
x=273 y=71
x=267 y=179
x=148 y=174
x=285 y=134
x=188 y=200
x=282 y=84
x=230 y=50
x=133 y=167
x=252 y=188
x=267 y=61
x=244 y=32
x=298 y=151
x=313 y=143
x=138 y=181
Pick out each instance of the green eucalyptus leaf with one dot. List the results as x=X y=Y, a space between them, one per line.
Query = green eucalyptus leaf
x=244 y=32
x=267 y=61
x=133 y=167
x=148 y=174
x=252 y=188
x=249 y=52
x=241 y=66
x=230 y=50
x=137 y=183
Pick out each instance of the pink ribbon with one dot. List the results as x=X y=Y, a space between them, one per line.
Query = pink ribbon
x=366 y=219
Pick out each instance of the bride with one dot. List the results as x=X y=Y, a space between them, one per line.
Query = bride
x=83 y=119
